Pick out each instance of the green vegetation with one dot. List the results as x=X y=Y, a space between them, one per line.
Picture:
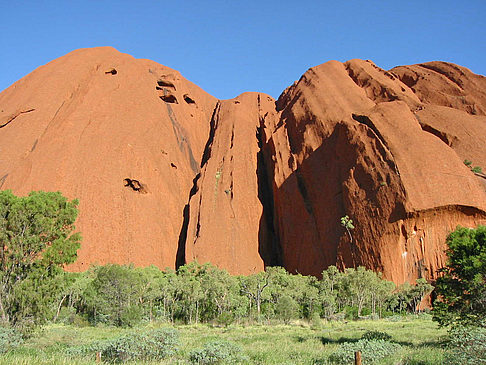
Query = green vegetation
x=347 y=223
x=462 y=288
x=124 y=296
x=475 y=169
x=467 y=346
x=372 y=351
x=268 y=343
x=9 y=339
x=217 y=352
x=200 y=314
x=36 y=240
x=154 y=344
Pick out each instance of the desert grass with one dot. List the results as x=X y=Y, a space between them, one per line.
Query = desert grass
x=267 y=343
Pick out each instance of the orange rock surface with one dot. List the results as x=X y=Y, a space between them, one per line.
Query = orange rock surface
x=167 y=174
x=93 y=124
x=356 y=140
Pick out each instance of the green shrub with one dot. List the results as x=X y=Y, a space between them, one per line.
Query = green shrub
x=286 y=308
x=225 y=319
x=467 y=345
x=351 y=312
x=371 y=351
x=424 y=356
x=9 y=339
x=376 y=335
x=315 y=321
x=150 y=345
x=217 y=352
x=131 y=315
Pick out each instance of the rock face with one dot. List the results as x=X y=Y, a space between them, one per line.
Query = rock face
x=167 y=174
x=226 y=224
x=124 y=136
x=357 y=140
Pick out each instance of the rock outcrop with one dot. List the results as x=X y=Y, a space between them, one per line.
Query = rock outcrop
x=167 y=174
x=353 y=140
x=226 y=224
x=119 y=135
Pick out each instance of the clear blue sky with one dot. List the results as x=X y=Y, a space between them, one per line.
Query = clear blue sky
x=228 y=47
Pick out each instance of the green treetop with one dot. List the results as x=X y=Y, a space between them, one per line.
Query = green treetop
x=36 y=240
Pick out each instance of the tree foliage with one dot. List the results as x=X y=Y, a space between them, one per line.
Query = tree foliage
x=123 y=295
x=462 y=288
x=347 y=223
x=36 y=240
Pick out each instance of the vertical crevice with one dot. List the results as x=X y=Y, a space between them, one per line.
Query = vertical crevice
x=186 y=216
x=268 y=239
x=212 y=131
x=2 y=180
x=181 y=245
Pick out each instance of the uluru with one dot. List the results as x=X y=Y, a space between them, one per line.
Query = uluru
x=167 y=174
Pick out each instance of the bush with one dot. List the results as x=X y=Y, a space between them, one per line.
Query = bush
x=351 y=312
x=467 y=345
x=315 y=321
x=225 y=319
x=376 y=335
x=371 y=351
x=461 y=293
x=151 y=345
x=9 y=339
x=286 y=308
x=217 y=352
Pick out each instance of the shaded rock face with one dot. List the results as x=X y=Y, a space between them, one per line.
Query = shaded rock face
x=167 y=174
x=356 y=140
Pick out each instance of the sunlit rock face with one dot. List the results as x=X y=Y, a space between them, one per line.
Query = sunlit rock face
x=167 y=174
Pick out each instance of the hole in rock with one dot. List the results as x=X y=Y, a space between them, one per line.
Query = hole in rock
x=188 y=99
x=135 y=185
x=111 y=71
x=165 y=83
x=169 y=99
x=172 y=165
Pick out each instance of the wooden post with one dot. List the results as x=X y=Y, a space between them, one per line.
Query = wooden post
x=357 y=358
x=98 y=356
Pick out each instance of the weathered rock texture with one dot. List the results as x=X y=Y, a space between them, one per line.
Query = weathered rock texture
x=118 y=134
x=226 y=222
x=167 y=174
x=356 y=140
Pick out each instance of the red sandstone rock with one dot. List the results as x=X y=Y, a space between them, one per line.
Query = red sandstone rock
x=226 y=222
x=356 y=144
x=167 y=174
x=87 y=122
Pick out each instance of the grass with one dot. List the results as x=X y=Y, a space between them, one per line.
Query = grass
x=297 y=343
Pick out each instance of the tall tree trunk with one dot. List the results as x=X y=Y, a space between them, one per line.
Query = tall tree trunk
x=59 y=308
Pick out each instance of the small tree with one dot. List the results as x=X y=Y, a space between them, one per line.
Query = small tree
x=347 y=223
x=114 y=295
x=418 y=293
x=462 y=288
x=36 y=240
x=286 y=308
x=253 y=286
